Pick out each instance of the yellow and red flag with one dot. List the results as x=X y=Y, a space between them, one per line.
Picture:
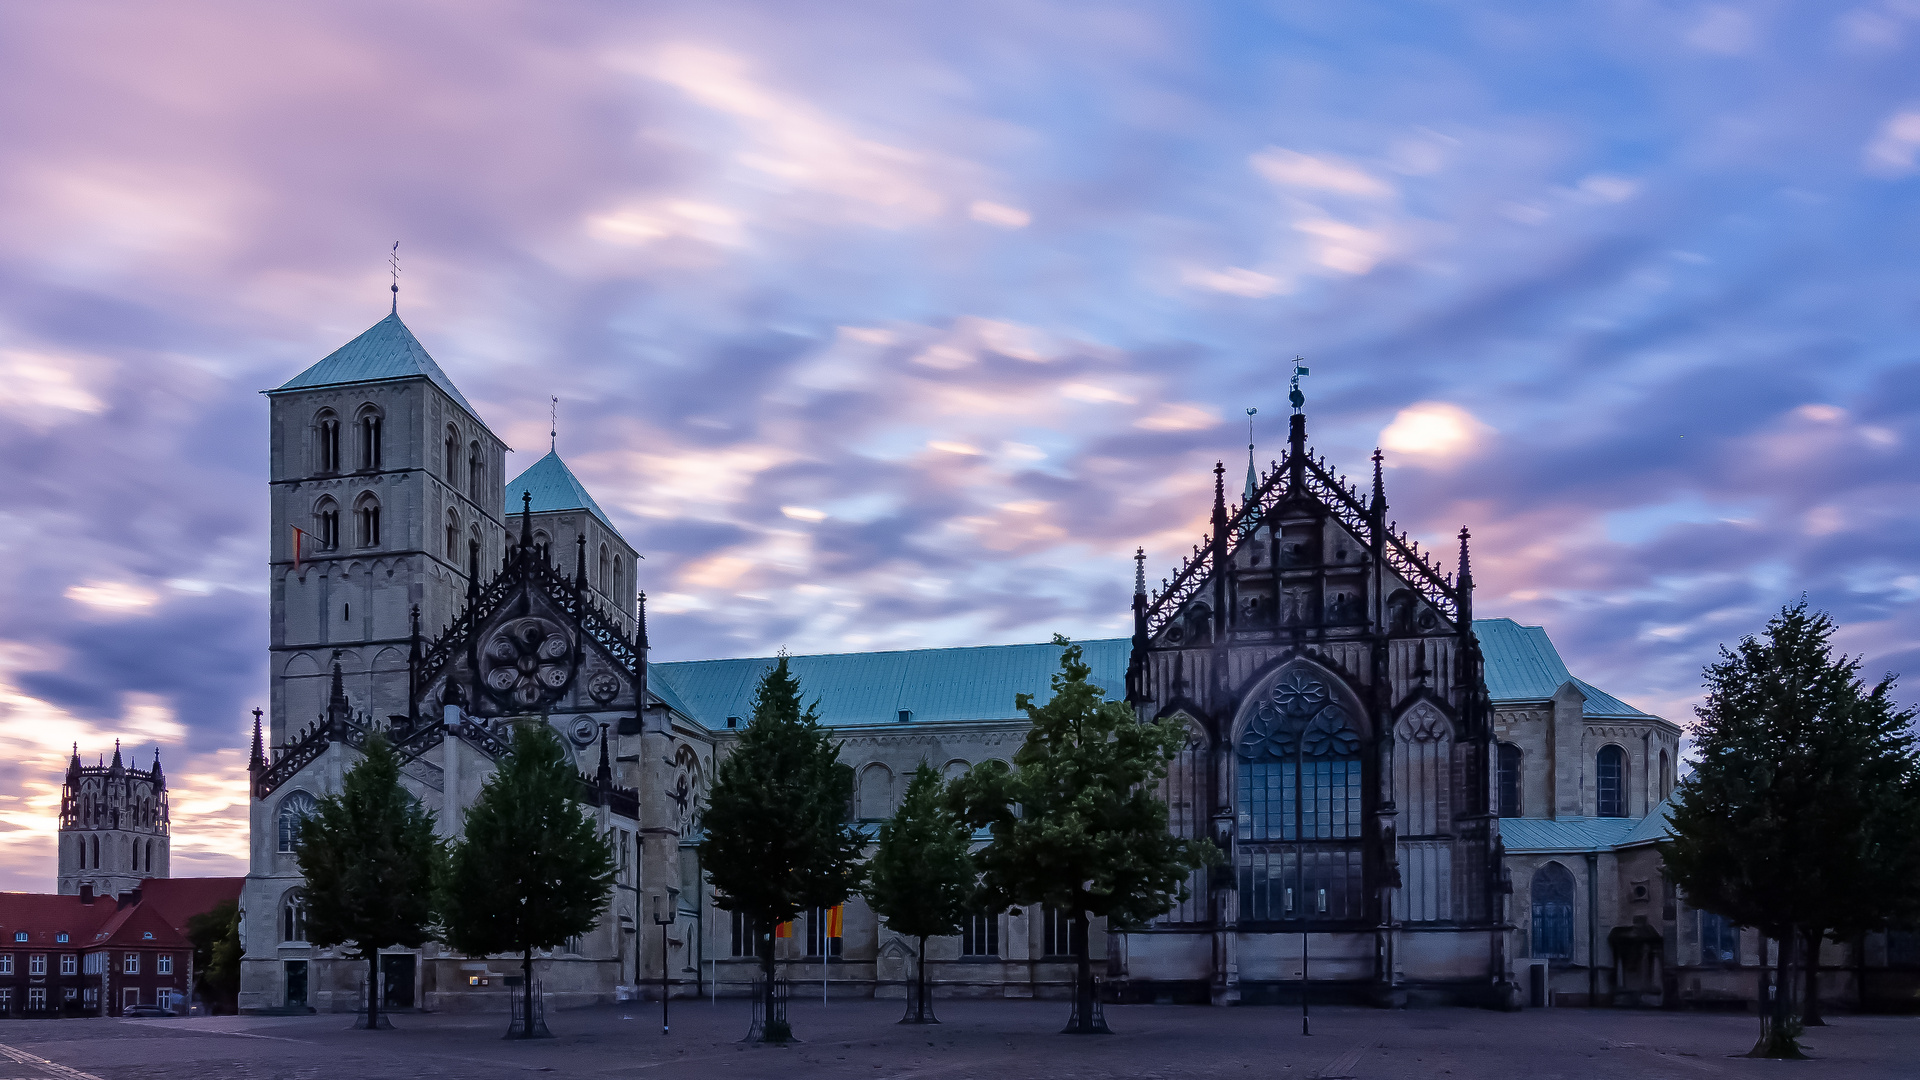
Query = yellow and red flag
x=833 y=921
x=297 y=534
x=784 y=930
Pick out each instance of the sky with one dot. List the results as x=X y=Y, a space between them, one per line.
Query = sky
x=884 y=326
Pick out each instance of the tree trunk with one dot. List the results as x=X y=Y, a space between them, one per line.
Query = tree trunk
x=770 y=1031
x=1780 y=1040
x=920 y=983
x=1810 y=1007
x=1083 y=1020
x=373 y=990
x=526 y=997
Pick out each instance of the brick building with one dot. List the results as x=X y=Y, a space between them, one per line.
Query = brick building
x=89 y=955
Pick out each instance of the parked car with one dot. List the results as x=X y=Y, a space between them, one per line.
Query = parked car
x=148 y=1010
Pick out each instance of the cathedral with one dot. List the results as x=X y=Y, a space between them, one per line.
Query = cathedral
x=1415 y=803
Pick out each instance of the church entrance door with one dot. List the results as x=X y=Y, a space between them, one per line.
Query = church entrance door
x=296 y=984
x=396 y=975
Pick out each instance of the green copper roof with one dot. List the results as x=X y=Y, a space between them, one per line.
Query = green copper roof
x=1523 y=834
x=387 y=350
x=976 y=683
x=979 y=682
x=553 y=487
x=1523 y=665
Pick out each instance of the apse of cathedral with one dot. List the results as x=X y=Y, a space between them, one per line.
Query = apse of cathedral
x=1412 y=802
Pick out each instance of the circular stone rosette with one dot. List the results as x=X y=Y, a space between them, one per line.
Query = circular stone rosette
x=526 y=661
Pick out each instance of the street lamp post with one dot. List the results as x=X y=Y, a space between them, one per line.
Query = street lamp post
x=672 y=906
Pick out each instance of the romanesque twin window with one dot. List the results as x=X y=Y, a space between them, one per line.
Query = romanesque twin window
x=366 y=515
x=326 y=431
x=326 y=524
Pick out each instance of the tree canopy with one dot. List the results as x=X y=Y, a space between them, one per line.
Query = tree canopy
x=1078 y=823
x=921 y=878
x=1800 y=817
x=777 y=840
x=369 y=855
x=531 y=868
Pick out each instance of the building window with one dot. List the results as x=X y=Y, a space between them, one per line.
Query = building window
x=619 y=580
x=19 y=935
x=876 y=793
x=69 y=964
x=62 y=937
x=164 y=965
x=1509 y=780
x=6 y=963
x=293 y=916
x=327 y=435
x=453 y=538
x=326 y=524
x=542 y=547
x=369 y=437
x=476 y=473
x=37 y=964
x=130 y=964
x=1056 y=933
x=95 y=964
x=1552 y=895
x=823 y=936
x=37 y=999
x=452 y=449
x=745 y=940
x=1719 y=941
x=90 y=996
x=294 y=809
x=980 y=936
x=1297 y=801
x=367 y=514
x=1610 y=781
x=1666 y=775
x=6 y=999
x=606 y=585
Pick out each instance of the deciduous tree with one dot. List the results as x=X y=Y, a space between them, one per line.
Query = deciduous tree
x=369 y=855
x=921 y=877
x=1077 y=823
x=777 y=838
x=531 y=868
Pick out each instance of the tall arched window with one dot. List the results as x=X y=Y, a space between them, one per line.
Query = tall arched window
x=453 y=538
x=619 y=581
x=1299 y=805
x=294 y=809
x=293 y=916
x=368 y=428
x=476 y=472
x=605 y=585
x=876 y=793
x=1509 y=766
x=136 y=856
x=1610 y=782
x=1184 y=790
x=1666 y=775
x=149 y=856
x=1719 y=941
x=1552 y=894
x=366 y=515
x=1423 y=789
x=326 y=437
x=543 y=547
x=452 y=449
x=95 y=843
x=326 y=524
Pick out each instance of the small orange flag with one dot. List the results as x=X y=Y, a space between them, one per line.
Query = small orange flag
x=833 y=921
x=784 y=930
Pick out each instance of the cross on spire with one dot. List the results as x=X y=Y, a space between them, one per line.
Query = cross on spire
x=393 y=262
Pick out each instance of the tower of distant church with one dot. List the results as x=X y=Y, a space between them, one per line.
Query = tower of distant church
x=113 y=825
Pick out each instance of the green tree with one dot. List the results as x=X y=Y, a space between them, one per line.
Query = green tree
x=1078 y=824
x=777 y=838
x=531 y=869
x=1799 y=817
x=921 y=877
x=215 y=936
x=369 y=856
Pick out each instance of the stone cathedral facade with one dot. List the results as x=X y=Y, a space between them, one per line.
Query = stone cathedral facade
x=1429 y=802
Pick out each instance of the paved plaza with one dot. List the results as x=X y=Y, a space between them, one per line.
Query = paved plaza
x=1001 y=1040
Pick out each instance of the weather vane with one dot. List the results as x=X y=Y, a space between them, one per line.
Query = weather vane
x=1293 y=394
x=553 y=424
x=393 y=261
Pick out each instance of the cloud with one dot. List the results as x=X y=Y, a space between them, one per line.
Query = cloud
x=1893 y=151
x=1433 y=431
x=1724 y=30
x=999 y=214
x=1236 y=281
x=1291 y=169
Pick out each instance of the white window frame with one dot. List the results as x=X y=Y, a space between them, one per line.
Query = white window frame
x=69 y=964
x=163 y=965
x=131 y=964
x=37 y=964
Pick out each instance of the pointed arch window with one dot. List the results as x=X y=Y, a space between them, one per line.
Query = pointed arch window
x=452 y=455
x=476 y=471
x=94 y=842
x=326 y=433
x=294 y=809
x=453 y=538
x=367 y=428
x=366 y=514
x=543 y=546
x=293 y=916
x=1299 y=797
x=1610 y=782
x=1666 y=775
x=326 y=523
x=619 y=581
x=601 y=580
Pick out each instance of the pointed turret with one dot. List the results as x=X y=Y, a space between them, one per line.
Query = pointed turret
x=1137 y=660
x=1219 y=550
x=159 y=778
x=258 y=760
x=526 y=521
x=473 y=571
x=1464 y=583
x=73 y=765
x=580 y=564
x=1379 y=504
x=604 y=776
x=337 y=710
x=116 y=767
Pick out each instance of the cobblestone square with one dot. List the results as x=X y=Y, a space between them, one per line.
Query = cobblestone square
x=994 y=1039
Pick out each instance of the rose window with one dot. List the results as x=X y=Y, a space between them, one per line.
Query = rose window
x=527 y=660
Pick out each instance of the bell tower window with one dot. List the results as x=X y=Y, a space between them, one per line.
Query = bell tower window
x=453 y=538
x=326 y=524
x=452 y=451
x=368 y=516
x=476 y=472
x=327 y=440
x=369 y=432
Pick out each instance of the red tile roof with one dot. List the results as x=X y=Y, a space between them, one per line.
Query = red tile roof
x=137 y=925
x=44 y=915
x=179 y=899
